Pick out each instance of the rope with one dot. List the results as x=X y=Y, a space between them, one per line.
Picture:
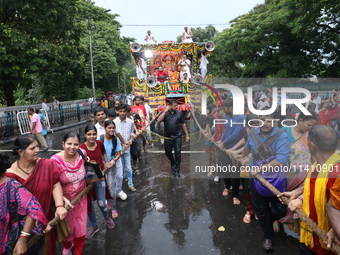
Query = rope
x=316 y=229
x=55 y=220
x=164 y=137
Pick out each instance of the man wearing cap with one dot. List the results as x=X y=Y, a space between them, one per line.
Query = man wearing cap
x=263 y=102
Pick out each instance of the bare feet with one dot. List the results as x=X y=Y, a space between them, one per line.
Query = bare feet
x=247 y=218
x=236 y=201
x=225 y=192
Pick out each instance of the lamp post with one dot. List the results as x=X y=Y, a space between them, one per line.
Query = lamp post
x=91 y=57
x=128 y=74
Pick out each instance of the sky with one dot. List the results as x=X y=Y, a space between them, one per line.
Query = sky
x=157 y=16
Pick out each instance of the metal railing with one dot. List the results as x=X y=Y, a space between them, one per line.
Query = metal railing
x=16 y=121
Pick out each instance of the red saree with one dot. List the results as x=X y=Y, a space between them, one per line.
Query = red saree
x=40 y=183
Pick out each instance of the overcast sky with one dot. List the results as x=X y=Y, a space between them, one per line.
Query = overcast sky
x=158 y=15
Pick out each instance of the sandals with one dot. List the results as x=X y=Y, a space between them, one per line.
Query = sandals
x=131 y=188
x=247 y=218
x=136 y=171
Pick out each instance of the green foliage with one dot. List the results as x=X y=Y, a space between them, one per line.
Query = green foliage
x=85 y=92
x=287 y=38
x=48 y=41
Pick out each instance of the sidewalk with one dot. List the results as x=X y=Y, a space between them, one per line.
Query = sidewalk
x=11 y=140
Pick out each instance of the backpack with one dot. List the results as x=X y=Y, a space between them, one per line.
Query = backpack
x=262 y=151
x=93 y=171
x=311 y=106
x=263 y=154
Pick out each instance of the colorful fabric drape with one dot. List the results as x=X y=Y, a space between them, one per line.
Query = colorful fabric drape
x=335 y=194
x=320 y=200
x=299 y=165
x=40 y=183
x=27 y=205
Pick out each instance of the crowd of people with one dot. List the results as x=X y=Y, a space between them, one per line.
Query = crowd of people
x=114 y=141
x=300 y=160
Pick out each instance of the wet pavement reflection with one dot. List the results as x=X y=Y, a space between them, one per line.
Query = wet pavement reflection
x=170 y=215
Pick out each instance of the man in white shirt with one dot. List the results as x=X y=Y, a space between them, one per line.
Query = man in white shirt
x=44 y=105
x=126 y=127
x=55 y=103
x=263 y=102
x=129 y=99
x=100 y=117
x=318 y=99
x=91 y=99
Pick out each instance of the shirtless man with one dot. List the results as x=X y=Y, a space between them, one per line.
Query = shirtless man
x=185 y=64
x=149 y=39
x=187 y=35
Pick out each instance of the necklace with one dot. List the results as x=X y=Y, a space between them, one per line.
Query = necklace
x=28 y=173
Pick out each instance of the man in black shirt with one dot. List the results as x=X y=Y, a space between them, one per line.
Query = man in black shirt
x=173 y=125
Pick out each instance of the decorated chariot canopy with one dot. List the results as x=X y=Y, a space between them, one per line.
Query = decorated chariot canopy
x=166 y=59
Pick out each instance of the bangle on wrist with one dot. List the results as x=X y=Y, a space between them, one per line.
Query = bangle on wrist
x=23 y=236
x=24 y=233
x=60 y=206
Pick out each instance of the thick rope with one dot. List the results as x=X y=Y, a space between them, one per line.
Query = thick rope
x=316 y=229
x=55 y=220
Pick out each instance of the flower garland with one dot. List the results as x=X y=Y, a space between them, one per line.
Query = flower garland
x=188 y=47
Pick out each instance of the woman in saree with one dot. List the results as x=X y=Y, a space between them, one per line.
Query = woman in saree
x=40 y=176
x=299 y=164
x=332 y=112
x=73 y=182
x=27 y=205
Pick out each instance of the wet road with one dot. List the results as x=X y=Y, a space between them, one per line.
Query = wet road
x=177 y=215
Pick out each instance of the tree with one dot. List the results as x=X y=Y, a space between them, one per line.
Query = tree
x=30 y=34
x=46 y=44
x=110 y=51
x=287 y=38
